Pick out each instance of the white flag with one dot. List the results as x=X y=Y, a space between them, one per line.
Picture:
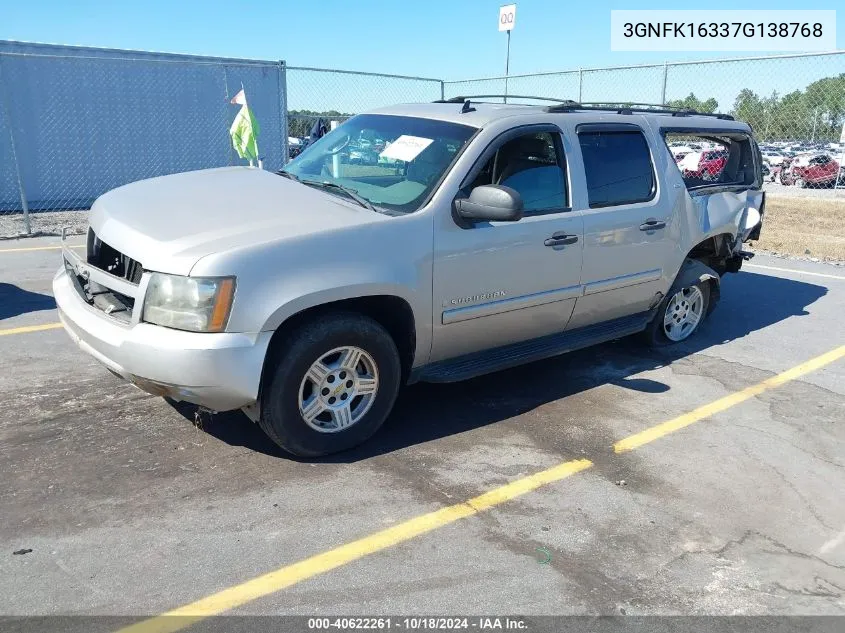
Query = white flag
x=240 y=98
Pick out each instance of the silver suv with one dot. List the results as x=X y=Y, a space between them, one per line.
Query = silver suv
x=477 y=236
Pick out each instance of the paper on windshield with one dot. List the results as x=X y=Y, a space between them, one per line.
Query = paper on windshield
x=406 y=147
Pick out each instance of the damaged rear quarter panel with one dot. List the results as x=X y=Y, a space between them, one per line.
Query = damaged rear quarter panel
x=711 y=210
x=712 y=213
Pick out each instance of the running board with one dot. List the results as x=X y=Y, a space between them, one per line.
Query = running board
x=486 y=361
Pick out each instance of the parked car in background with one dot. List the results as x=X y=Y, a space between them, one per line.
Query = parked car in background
x=295 y=146
x=813 y=170
x=773 y=156
x=712 y=163
x=706 y=165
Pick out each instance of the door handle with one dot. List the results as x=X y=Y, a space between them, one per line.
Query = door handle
x=561 y=239
x=652 y=225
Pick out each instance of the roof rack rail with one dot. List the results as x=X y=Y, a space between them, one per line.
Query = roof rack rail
x=568 y=105
x=464 y=98
x=630 y=108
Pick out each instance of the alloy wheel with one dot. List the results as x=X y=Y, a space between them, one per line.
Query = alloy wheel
x=683 y=312
x=338 y=389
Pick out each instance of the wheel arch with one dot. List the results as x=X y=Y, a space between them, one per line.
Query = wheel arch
x=393 y=312
x=713 y=251
x=695 y=271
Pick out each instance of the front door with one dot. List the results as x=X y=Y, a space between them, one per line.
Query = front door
x=497 y=283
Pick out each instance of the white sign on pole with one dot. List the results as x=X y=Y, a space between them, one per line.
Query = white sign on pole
x=842 y=134
x=507 y=17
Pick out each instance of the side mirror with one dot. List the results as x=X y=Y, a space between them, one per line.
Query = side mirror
x=494 y=203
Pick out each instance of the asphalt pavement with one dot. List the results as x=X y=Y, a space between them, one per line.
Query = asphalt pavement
x=135 y=506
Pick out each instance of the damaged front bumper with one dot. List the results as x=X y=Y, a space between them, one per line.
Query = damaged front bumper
x=220 y=371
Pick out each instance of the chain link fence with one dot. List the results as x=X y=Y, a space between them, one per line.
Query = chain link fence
x=786 y=97
x=789 y=98
x=76 y=122
x=335 y=95
x=794 y=103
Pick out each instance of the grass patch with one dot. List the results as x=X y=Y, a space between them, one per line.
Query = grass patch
x=804 y=226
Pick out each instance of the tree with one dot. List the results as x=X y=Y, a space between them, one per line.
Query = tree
x=691 y=102
x=826 y=99
x=749 y=108
x=814 y=114
x=301 y=121
x=792 y=118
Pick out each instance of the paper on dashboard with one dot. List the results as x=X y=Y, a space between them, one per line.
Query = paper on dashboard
x=406 y=147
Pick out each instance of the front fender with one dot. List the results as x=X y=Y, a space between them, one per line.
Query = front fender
x=296 y=303
x=284 y=276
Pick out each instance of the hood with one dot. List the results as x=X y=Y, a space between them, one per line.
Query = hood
x=169 y=223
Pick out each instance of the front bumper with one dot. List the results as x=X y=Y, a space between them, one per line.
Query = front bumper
x=218 y=371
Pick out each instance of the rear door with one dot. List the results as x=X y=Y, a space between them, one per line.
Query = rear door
x=630 y=230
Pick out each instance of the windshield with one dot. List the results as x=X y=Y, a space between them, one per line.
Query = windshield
x=392 y=161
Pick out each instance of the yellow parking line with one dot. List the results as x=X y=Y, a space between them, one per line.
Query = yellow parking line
x=297 y=572
x=38 y=248
x=656 y=432
x=271 y=582
x=30 y=328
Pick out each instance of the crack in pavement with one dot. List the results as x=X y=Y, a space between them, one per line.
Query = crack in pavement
x=786 y=441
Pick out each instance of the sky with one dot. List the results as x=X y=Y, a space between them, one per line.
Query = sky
x=450 y=39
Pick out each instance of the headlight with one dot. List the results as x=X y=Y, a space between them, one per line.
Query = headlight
x=189 y=303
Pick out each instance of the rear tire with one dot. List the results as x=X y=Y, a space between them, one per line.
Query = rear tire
x=334 y=382
x=679 y=315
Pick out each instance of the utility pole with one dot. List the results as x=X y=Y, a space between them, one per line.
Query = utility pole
x=507 y=66
x=507 y=20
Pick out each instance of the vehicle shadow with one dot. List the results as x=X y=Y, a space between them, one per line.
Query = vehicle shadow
x=425 y=412
x=15 y=301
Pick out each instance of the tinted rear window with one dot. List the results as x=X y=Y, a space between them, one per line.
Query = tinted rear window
x=618 y=167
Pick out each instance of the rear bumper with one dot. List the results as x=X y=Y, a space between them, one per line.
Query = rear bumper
x=218 y=371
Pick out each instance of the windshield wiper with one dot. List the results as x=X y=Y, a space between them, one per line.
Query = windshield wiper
x=287 y=174
x=325 y=184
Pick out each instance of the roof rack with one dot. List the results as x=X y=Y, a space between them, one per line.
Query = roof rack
x=568 y=105
x=464 y=98
x=631 y=108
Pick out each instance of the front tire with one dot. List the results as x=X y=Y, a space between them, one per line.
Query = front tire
x=333 y=385
x=679 y=315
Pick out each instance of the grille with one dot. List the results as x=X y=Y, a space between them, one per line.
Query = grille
x=112 y=303
x=104 y=257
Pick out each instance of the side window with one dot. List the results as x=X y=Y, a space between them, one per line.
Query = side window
x=618 y=167
x=731 y=159
x=532 y=165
